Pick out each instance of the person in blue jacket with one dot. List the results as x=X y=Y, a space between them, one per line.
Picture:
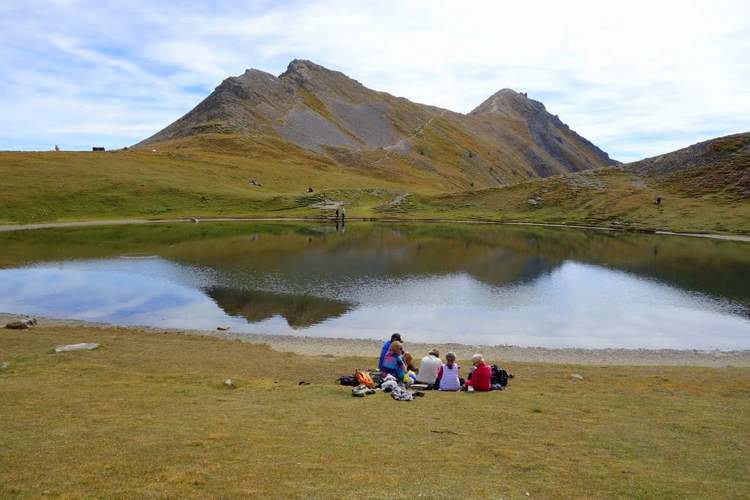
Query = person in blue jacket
x=396 y=337
x=393 y=362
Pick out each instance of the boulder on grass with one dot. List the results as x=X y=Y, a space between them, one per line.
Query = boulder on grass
x=23 y=324
x=84 y=346
x=533 y=202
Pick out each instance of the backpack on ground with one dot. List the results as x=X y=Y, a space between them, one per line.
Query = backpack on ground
x=364 y=379
x=376 y=377
x=348 y=380
x=500 y=376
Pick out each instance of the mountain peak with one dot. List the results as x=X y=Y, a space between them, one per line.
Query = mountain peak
x=317 y=78
x=303 y=64
x=509 y=103
x=253 y=75
x=322 y=110
x=508 y=92
x=301 y=70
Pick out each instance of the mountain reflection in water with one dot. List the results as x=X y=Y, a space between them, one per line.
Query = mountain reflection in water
x=463 y=283
x=299 y=311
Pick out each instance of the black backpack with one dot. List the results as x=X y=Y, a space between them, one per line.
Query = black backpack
x=348 y=380
x=500 y=376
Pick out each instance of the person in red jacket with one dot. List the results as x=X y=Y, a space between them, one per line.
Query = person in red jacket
x=481 y=377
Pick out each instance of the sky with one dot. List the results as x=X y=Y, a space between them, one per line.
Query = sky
x=637 y=78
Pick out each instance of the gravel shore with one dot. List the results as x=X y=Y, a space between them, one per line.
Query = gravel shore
x=315 y=346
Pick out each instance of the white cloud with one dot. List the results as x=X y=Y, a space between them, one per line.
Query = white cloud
x=634 y=77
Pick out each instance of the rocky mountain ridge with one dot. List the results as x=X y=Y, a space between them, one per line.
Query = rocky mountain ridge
x=507 y=138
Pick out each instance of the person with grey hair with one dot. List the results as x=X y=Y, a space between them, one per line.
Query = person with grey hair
x=480 y=378
x=448 y=377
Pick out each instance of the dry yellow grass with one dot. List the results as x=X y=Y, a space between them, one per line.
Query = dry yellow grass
x=146 y=415
x=202 y=176
x=605 y=197
x=209 y=175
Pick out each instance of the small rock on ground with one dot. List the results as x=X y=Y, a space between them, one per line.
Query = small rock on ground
x=533 y=202
x=84 y=346
x=229 y=383
x=4 y=365
x=577 y=376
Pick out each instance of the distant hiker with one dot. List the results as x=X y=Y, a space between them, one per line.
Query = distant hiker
x=481 y=376
x=393 y=362
x=337 y=214
x=386 y=347
x=657 y=201
x=343 y=214
x=429 y=368
x=448 y=377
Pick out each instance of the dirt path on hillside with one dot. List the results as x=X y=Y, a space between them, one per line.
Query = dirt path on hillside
x=419 y=131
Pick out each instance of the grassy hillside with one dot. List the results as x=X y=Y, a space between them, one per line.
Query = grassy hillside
x=147 y=415
x=607 y=197
x=210 y=176
x=704 y=188
x=205 y=176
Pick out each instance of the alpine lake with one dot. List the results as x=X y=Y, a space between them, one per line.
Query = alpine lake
x=478 y=284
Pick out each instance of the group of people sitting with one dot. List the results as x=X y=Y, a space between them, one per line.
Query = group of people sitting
x=432 y=372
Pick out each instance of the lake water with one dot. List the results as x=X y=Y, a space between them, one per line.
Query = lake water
x=475 y=284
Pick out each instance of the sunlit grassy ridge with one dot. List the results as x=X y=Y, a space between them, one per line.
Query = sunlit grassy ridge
x=147 y=415
x=173 y=182
x=210 y=175
x=204 y=175
x=606 y=197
